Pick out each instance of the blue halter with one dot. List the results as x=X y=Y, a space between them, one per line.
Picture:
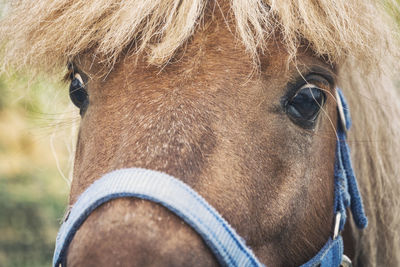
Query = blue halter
x=228 y=247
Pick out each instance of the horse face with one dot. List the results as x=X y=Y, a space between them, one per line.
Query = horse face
x=251 y=143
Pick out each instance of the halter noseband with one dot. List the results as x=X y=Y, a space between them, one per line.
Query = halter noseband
x=228 y=247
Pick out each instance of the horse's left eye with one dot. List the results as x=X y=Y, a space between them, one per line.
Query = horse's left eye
x=78 y=94
x=304 y=107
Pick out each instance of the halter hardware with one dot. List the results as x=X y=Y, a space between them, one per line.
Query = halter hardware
x=346 y=262
x=340 y=108
x=336 y=227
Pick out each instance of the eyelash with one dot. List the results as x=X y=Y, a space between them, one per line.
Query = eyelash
x=317 y=79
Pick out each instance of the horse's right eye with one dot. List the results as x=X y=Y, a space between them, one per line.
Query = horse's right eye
x=304 y=108
x=78 y=94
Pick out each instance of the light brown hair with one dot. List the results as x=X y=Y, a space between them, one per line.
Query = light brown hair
x=357 y=36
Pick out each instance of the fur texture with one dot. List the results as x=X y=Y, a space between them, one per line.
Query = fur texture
x=47 y=33
x=358 y=37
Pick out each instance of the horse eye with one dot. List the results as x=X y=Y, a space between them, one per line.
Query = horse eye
x=78 y=94
x=304 y=107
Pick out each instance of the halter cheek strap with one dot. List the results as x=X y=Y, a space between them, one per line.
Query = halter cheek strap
x=346 y=188
x=228 y=247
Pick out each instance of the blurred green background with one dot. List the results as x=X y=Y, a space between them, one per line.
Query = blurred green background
x=37 y=132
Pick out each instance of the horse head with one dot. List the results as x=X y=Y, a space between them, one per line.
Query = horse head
x=233 y=99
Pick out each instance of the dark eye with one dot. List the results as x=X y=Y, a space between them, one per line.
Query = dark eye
x=304 y=107
x=78 y=94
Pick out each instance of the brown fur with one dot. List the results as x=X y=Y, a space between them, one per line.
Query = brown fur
x=203 y=119
x=187 y=122
x=239 y=150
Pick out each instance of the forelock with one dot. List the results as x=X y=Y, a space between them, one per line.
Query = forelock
x=47 y=33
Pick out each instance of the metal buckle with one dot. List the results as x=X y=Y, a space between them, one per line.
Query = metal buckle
x=337 y=224
x=346 y=262
x=341 y=112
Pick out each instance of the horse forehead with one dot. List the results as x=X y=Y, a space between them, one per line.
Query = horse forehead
x=212 y=56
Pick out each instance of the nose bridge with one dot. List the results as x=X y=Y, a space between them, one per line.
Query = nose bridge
x=169 y=123
x=167 y=129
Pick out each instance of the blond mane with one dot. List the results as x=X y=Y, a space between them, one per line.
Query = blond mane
x=47 y=33
x=357 y=36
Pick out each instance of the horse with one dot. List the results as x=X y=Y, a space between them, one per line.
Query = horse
x=237 y=100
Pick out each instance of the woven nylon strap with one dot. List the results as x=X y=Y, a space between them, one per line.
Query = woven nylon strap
x=228 y=247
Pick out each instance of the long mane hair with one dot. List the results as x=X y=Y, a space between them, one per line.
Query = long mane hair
x=358 y=37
